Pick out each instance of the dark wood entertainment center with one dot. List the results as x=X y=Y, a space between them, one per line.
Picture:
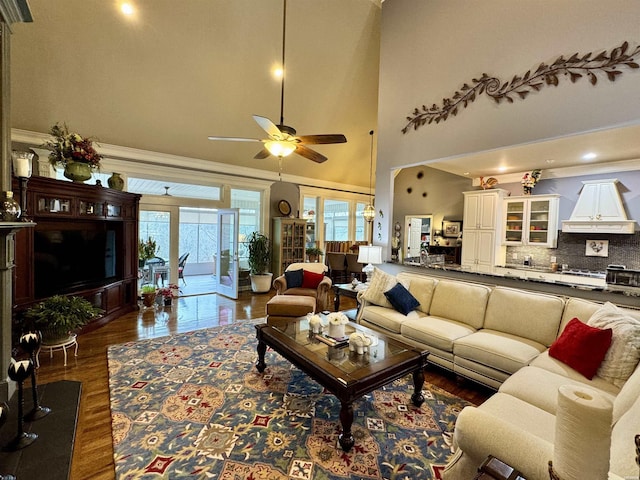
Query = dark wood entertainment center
x=101 y=223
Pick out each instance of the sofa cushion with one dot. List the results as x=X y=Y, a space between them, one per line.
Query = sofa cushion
x=501 y=351
x=545 y=362
x=380 y=283
x=577 y=308
x=539 y=387
x=387 y=318
x=448 y=302
x=421 y=287
x=624 y=353
x=293 y=278
x=535 y=316
x=311 y=279
x=627 y=395
x=435 y=331
x=582 y=347
x=401 y=299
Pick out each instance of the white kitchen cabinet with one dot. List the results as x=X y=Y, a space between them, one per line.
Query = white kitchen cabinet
x=482 y=230
x=509 y=272
x=531 y=220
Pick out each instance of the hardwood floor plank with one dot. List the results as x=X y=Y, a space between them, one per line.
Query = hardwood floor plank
x=93 y=450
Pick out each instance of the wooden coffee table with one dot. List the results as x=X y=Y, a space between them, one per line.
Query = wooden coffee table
x=345 y=374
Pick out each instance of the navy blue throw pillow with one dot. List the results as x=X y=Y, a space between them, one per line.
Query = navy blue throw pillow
x=401 y=299
x=293 y=278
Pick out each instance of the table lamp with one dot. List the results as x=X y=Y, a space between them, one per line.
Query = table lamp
x=369 y=254
x=22 y=170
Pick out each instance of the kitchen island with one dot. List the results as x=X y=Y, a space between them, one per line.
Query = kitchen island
x=573 y=286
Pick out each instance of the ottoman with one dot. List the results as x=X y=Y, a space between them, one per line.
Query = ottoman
x=281 y=309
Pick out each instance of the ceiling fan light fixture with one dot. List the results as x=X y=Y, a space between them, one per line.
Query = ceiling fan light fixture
x=279 y=148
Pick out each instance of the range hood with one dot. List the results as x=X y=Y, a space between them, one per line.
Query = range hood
x=599 y=209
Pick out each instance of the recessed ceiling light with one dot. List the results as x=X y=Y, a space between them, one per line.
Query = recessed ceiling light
x=589 y=156
x=278 y=72
x=127 y=8
x=502 y=169
x=550 y=160
x=466 y=173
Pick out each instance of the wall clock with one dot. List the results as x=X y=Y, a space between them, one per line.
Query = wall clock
x=284 y=208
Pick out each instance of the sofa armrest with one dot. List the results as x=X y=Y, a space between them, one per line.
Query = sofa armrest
x=322 y=298
x=280 y=285
x=480 y=434
x=362 y=303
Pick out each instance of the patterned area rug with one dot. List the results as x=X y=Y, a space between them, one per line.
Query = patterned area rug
x=194 y=406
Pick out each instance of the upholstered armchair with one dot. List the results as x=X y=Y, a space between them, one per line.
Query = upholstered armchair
x=305 y=279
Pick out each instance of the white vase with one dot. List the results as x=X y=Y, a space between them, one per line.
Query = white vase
x=336 y=331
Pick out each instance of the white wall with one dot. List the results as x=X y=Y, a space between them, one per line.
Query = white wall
x=430 y=48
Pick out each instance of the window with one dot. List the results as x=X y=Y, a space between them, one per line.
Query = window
x=336 y=220
x=155 y=224
x=361 y=231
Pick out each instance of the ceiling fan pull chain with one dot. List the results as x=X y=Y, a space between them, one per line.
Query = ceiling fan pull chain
x=280 y=167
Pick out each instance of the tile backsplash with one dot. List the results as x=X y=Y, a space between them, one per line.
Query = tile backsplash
x=623 y=250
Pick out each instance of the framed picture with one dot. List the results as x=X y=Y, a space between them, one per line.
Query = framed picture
x=451 y=229
x=597 y=248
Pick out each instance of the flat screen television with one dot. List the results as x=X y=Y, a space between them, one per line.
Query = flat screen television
x=71 y=258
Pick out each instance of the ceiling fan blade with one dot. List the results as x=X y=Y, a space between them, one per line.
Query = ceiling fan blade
x=268 y=126
x=310 y=154
x=264 y=153
x=235 y=139
x=323 y=139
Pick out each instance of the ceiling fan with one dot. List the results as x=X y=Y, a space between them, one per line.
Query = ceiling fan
x=283 y=140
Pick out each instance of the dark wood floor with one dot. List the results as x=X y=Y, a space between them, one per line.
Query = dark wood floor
x=93 y=451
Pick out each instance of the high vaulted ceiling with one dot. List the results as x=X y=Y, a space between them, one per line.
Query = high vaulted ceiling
x=176 y=72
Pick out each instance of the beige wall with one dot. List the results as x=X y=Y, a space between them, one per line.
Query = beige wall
x=430 y=48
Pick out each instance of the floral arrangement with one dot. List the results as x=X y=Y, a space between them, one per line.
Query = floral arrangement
x=337 y=318
x=168 y=291
x=147 y=249
x=69 y=147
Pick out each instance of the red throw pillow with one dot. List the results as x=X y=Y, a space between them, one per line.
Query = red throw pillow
x=311 y=279
x=582 y=347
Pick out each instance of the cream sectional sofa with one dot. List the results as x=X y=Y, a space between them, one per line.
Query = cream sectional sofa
x=500 y=337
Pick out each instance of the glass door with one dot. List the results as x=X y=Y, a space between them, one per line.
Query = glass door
x=227 y=266
x=515 y=222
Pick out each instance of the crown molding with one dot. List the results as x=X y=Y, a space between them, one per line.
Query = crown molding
x=143 y=159
x=15 y=11
x=575 y=171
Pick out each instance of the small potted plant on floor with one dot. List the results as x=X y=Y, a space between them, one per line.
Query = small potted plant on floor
x=167 y=293
x=314 y=253
x=259 y=261
x=57 y=317
x=148 y=292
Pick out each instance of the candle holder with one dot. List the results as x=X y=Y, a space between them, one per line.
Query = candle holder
x=30 y=343
x=19 y=372
x=22 y=168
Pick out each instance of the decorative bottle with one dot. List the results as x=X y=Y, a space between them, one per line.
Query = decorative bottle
x=10 y=209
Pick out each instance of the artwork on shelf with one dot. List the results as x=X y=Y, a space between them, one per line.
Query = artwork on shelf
x=597 y=248
x=451 y=229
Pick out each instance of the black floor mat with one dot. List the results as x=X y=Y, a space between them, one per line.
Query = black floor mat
x=50 y=455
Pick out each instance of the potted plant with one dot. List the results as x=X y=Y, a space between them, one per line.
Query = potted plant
x=75 y=154
x=259 y=261
x=146 y=251
x=314 y=253
x=58 y=316
x=148 y=292
x=167 y=293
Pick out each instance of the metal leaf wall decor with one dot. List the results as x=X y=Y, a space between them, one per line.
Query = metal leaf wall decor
x=575 y=67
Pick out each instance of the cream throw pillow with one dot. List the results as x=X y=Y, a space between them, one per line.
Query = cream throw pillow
x=624 y=352
x=380 y=283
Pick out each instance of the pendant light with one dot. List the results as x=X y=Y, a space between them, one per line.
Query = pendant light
x=369 y=211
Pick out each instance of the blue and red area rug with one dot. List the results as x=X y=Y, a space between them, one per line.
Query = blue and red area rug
x=194 y=406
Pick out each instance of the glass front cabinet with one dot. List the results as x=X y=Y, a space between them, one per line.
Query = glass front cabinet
x=531 y=220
